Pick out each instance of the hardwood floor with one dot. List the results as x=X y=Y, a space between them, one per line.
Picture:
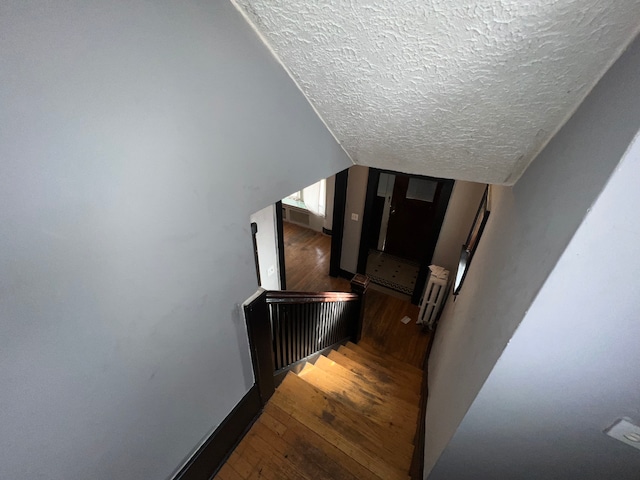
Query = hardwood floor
x=383 y=330
x=307 y=255
x=306 y=259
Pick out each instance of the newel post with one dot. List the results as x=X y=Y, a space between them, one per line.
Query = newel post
x=256 y=313
x=359 y=285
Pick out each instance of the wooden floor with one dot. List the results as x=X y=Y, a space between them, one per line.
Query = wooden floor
x=307 y=255
x=306 y=259
x=352 y=415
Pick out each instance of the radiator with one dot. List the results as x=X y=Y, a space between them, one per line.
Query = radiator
x=297 y=216
x=434 y=296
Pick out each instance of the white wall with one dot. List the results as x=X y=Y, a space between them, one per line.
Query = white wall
x=267 y=243
x=462 y=208
x=529 y=228
x=136 y=139
x=315 y=222
x=571 y=368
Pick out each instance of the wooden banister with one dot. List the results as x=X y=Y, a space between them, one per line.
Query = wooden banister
x=310 y=297
x=286 y=329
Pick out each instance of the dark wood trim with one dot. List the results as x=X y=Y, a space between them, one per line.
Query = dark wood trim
x=339 y=208
x=259 y=332
x=345 y=274
x=359 y=286
x=254 y=232
x=471 y=244
x=326 y=231
x=441 y=210
x=212 y=454
x=372 y=190
x=280 y=233
x=309 y=297
x=416 y=471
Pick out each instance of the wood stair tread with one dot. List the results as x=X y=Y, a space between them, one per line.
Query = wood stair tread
x=310 y=447
x=399 y=423
x=364 y=440
x=384 y=382
x=367 y=388
x=343 y=435
x=406 y=380
x=385 y=359
x=352 y=415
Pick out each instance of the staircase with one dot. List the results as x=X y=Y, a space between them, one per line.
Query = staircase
x=351 y=415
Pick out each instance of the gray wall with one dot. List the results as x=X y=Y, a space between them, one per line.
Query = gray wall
x=136 y=139
x=571 y=368
x=529 y=228
x=462 y=208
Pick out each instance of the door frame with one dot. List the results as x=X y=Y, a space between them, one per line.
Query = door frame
x=337 y=227
x=337 y=230
x=367 y=222
x=280 y=240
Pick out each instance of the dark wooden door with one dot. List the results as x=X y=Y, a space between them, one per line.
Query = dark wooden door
x=411 y=217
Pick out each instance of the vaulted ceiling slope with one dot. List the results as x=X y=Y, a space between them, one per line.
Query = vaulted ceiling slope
x=461 y=89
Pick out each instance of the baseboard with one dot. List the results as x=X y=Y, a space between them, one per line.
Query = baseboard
x=417 y=462
x=208 y=459
x=326 y=231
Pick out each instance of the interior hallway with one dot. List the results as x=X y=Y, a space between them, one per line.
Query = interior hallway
x=306 y=258
x=307 y=255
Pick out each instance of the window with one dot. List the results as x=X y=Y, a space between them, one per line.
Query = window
x=311 y=198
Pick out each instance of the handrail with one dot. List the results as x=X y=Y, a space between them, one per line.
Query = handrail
x=287 y=329
x=283 y=296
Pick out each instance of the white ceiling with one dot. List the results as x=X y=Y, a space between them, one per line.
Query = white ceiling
x=460 y=89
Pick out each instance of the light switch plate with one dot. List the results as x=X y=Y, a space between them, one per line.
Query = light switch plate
x=354 y=217
x=626 y=432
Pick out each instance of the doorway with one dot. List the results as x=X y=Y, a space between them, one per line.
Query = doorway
x=307 y=238
x=402 y=220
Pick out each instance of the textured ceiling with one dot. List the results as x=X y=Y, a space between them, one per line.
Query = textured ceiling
x=453 y=88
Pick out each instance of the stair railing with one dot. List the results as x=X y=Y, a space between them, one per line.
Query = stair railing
x=287 y=329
